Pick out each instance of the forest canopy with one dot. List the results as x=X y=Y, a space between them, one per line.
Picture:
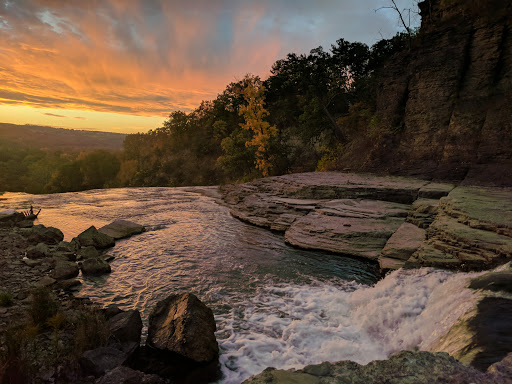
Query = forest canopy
x=301 y=118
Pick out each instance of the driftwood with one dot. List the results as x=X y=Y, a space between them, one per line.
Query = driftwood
x=30 y=215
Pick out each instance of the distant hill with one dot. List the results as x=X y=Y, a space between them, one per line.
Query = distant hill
x=35 y=136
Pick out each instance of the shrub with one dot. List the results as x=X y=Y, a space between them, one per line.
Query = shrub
x=43 y=306
x=5 y=299
x=91 y=332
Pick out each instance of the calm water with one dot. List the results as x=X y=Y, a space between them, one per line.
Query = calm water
x=274 y=305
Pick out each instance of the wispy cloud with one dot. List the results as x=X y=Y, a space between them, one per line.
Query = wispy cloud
x=151 y=57
x=79 y=118
x=54 y=115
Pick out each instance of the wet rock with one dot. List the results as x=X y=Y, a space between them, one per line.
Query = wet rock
x=64 y=270
x=126 y=327
x=184 y=325
x=99 y=240
x=482 y=336
x=96 y=266
x=400 y=246
x=66 y=256
x=42 y=234
x=402 y=368
x=120 y=229
x=89 y=252
x=364 y=237
x=100 y=360
x=125 y=375
x=68 y=284
x=38 y=251
x=494 y=281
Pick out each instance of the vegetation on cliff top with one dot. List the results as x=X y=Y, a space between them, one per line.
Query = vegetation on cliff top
x=298 y=119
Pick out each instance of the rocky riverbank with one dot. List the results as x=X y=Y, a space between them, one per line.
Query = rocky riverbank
x=47 y=335
x=400 y=223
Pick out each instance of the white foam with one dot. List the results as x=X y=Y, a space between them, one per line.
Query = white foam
x=290 y=326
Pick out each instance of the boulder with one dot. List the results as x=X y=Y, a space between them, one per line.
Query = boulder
x=91 y=236
x=66 y=246
x=120 y=229
x=38 y=251
x=42 y=234
x=184 y=325
x=11 y=216
x=95 y=266
x=126 y=326
x=68 y=284
x=45 y=281
x=100 y=360
x=482 y=336
x=89 y=252
x=64 y=270
x=400 y=246
x=125 y=375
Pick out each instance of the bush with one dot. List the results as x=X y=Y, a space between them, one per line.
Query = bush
x=43 y=306
x=5 y=299
x=92 y=330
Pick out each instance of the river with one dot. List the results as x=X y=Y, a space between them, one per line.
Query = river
x=274 y=305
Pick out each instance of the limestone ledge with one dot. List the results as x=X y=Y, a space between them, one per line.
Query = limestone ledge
x=396 y=221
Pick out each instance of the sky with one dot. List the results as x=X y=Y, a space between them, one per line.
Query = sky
x=124 y=65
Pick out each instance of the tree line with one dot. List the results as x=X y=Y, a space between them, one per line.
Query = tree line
x=301 y=118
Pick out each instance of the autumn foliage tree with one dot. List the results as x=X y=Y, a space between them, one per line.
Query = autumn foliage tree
x=262 y=132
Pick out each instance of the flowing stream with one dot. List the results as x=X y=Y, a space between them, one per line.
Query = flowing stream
x=274 y=305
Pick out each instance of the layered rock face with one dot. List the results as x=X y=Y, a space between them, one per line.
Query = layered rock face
x=448 y=98
x=405 y=367
x=394 y=220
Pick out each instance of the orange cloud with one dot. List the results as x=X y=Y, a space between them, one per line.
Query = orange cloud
x=149 y=58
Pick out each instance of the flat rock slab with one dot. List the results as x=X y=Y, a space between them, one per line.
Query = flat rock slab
x=120 y=229
x=364 y=237
x=488 y=209
x=401 y=245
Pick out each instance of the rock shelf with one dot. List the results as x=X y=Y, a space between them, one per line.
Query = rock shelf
x=396 y=221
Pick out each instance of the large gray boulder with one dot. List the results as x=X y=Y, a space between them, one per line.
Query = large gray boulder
x=91 y=236
x=184 y=325
x=120 y=229
x=96 y=266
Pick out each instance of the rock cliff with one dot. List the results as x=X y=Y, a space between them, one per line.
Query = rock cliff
x=447 y=99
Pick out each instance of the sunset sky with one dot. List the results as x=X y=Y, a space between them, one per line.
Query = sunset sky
x=123 y=66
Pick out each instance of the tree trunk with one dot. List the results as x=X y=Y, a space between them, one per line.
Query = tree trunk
x=335 y=127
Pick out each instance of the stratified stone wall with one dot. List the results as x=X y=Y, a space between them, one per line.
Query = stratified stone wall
x=449 y=99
